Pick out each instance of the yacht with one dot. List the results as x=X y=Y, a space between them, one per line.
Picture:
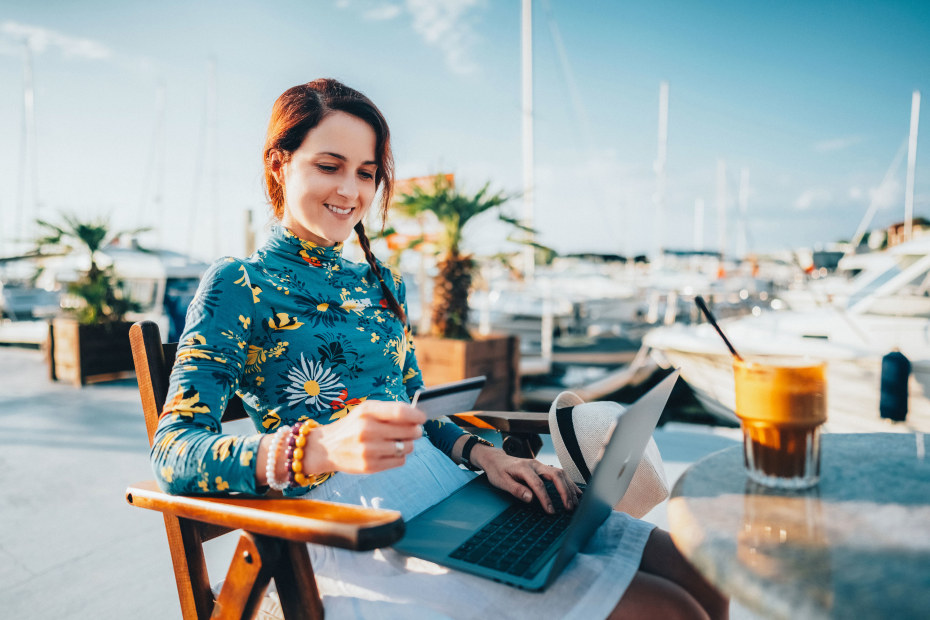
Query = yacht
x=887 y=309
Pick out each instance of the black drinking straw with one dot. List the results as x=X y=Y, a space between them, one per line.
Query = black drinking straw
x=710 y=317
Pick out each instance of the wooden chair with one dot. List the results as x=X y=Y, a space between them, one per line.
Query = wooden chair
x=272 y=544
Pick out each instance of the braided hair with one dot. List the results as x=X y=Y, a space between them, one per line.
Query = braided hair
x=373 y=263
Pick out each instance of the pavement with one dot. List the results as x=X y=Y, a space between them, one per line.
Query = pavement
x=70 y=545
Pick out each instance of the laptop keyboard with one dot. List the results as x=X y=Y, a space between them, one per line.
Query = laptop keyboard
x=515 y=539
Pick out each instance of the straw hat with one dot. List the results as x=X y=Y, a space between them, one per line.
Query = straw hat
x=579 y=432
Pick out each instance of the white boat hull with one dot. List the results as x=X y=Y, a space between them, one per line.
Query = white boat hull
x=853 y=379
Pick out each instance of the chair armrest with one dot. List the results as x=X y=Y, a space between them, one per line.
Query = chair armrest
x=506 y=421
x=298 y=520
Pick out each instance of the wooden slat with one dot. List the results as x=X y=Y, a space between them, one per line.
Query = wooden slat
x=297 y=589
x=190 y=567
x=515 y=397
x=151 y=373
x=444 y=360
x=339 y=525
x=246 y=581
x=208 y=531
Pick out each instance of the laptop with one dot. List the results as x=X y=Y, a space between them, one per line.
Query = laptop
x=485 y=531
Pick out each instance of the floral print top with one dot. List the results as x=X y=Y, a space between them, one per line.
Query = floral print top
x=297 y=332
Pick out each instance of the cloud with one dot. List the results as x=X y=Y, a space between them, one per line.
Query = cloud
x=836 y=144
x=382 y=12
x=810 y=196
x=444 y=24
x=42 y=39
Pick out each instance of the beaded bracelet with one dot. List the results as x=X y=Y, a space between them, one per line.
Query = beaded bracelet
x=295 y=454
x=271 y=464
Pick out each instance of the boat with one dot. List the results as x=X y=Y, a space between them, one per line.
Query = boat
x=853 y=273
x=885 y=312
x=162 y=282
x=20 y=298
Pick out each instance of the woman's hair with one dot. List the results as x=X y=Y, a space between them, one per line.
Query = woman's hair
x=300 y=109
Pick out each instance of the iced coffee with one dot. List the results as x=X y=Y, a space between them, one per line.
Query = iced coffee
x=781 y=404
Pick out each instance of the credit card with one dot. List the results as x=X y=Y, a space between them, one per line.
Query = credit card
x=449 y=398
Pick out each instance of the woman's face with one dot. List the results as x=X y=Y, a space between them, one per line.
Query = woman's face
x=329 y=181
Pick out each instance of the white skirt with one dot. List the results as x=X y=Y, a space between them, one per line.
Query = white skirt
x=385 y=584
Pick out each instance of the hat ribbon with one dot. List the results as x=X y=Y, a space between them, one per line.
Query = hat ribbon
x=566 y=426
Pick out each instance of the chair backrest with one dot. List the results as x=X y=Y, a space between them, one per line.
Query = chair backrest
x=153 y=361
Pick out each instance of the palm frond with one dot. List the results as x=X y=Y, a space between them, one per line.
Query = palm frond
x=384 y=233
x=101 y=294
x=516 y=223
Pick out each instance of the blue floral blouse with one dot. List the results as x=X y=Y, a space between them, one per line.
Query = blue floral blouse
x=297 y=332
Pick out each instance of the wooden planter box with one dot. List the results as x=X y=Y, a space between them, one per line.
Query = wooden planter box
x=88 y=353
x=496 y=356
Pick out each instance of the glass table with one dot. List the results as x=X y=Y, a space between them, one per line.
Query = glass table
x=855 y=546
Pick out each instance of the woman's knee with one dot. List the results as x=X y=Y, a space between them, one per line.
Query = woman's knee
x=651 y=596
x=663 y=559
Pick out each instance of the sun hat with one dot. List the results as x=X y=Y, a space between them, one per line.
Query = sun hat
x=579 y=432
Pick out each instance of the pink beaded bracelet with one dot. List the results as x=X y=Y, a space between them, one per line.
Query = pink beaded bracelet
x=271 y=464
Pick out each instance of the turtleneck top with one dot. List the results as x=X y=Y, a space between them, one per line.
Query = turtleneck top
x=298 y=333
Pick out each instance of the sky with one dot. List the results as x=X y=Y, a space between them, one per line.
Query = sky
x=811 y=101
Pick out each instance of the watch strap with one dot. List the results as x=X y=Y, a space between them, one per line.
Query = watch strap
x=466 y=452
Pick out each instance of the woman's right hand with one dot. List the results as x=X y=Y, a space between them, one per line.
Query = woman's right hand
x=375 y=436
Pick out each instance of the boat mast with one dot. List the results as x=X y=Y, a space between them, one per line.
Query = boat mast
x=529 y=266
x=873 y=204
x=661 y=159
x=212 y=135
x=722 y=208
x=743 y=202
x=28 y=157
x=699 y=224
x=911 y=164
x=154 y=188
x=206 y=166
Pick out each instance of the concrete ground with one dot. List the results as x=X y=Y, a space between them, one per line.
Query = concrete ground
x=70 y=545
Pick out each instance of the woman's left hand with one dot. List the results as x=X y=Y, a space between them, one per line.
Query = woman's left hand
x=523 y=477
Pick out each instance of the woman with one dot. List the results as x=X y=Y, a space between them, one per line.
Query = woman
x=318 y=350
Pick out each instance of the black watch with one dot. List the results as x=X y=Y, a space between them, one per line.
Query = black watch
x=466 y=452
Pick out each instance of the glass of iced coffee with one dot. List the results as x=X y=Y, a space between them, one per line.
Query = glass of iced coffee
x=781 y=404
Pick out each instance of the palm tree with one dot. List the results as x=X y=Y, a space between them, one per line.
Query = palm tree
x=99 y=290
x=454 y=210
